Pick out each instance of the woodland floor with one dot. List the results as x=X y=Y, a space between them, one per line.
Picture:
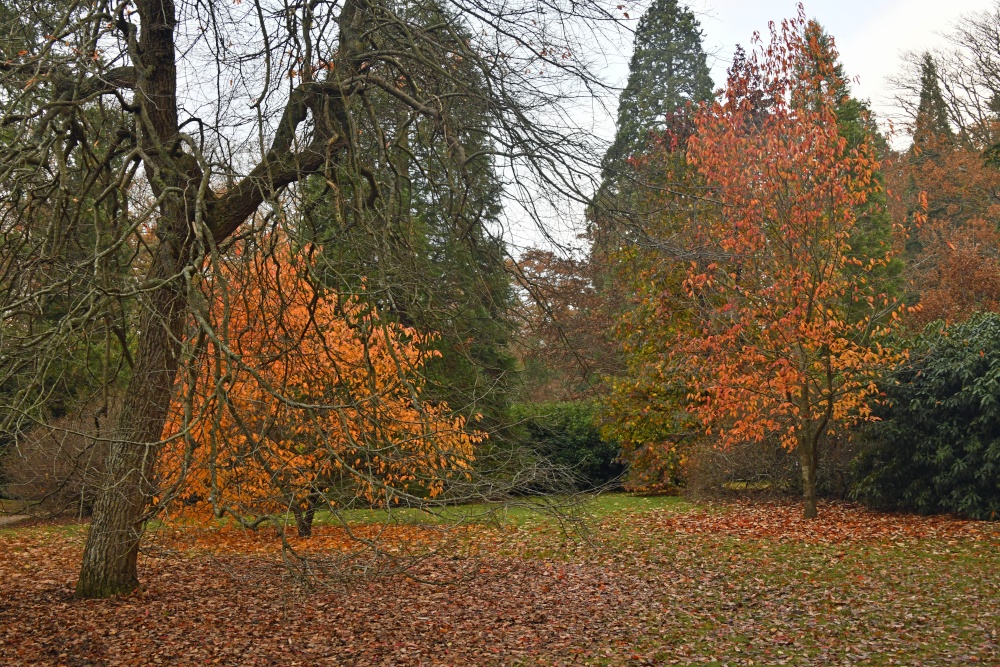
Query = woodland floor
x=659 y=581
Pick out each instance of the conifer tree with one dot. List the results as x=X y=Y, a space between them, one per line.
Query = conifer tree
x=427 y=252
x=948 y=181
x=668 y=74
x=932 y=113
x=668 y=70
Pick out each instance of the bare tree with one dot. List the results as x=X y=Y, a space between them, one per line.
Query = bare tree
x=140 y=136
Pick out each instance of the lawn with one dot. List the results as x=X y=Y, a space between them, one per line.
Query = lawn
x=648 y=581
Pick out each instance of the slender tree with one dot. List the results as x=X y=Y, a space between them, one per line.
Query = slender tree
x=781 y=348
x=931 y=119
x=956 y=89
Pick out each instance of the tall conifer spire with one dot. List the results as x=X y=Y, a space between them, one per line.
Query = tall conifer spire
x=669 y=68
x=932 y=112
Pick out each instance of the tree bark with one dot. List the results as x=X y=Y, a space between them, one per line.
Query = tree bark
x=808 y=459
x=304 y=520
x=110 y=556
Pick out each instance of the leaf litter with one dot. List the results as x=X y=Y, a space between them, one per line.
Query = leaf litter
x=740 y=583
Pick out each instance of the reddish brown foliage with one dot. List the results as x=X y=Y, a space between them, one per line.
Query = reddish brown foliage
x=789 y=342
x=565 y=319
x=950 y=198
x=784 y=348
x=959 y=271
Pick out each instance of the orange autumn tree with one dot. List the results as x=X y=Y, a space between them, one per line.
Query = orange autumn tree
x=310 y=402
x=788 y=323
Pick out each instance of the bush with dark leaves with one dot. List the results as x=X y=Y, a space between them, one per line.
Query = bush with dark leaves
x=937 y=446
x=567 y=436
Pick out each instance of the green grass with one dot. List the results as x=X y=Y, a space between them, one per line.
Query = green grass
x=55 y=530
x=12 y=506
x=526 y=512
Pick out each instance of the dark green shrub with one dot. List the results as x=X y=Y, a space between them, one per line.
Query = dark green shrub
x=937 y=448
x=566 y=435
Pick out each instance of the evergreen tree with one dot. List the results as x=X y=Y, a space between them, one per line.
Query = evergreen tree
x=633 y=225
x=932 y=113
x=931 y=133
x=668 y=70
x=427 y=252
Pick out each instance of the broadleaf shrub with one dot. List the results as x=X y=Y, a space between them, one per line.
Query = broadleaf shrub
x=937 y=446
x=566 y=434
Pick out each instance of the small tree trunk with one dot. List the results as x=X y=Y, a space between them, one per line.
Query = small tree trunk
x=304 y=518
x=807 y=460
x=110 y=555
x=303 y=522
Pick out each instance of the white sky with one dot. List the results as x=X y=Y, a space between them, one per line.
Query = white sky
x=871 y=35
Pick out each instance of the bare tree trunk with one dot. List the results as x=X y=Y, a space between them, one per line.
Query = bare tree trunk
x=808 y=459
x=110 y=556
x=304 y=517
x=304 y=521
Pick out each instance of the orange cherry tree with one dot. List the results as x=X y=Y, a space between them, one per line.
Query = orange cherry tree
x=787 y=341
x=311 y=401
